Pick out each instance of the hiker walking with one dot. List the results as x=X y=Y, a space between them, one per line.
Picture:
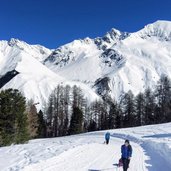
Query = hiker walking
x=107 y=137
x=126 y=151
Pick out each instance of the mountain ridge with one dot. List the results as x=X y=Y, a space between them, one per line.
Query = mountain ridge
x=108 y=65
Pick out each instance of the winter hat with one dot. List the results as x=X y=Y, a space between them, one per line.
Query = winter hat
x=127 y=141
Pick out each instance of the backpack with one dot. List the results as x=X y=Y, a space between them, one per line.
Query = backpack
x=120 y=163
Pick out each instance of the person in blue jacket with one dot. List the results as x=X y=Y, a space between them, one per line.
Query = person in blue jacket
x=126 y=151
x=107 y=137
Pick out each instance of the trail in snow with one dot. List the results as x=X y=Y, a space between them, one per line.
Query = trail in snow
x=156 y=142
x=92 y=156
x=87 y=152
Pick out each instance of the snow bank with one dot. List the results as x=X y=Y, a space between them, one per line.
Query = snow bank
x=151 y=151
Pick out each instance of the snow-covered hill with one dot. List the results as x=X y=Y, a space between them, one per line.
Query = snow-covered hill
x=20 y=68
x=117 y=62
x=151 y=151
x=112 y=64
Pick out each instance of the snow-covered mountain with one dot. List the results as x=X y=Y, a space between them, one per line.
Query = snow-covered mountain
x=21 y=68
x=112 y=64
x=117 y=62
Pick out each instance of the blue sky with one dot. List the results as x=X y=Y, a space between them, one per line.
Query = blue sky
x=55 y=22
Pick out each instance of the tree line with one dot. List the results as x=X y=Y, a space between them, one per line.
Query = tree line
x=68 y=112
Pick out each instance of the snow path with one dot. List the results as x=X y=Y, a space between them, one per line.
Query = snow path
x=92 y=156
x=156 y=142
x=155 y=161
x=87 y=152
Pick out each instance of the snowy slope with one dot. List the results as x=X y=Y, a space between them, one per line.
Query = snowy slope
x=82 y=60
x=131 y=61
x=76 y=61
x=34 y=79
x=151 y=151
x=22 y=69
x=12 y=51
x=112 y=64
x=147 y=54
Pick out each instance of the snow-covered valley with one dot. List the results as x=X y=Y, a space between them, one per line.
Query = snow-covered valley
x=151 y=151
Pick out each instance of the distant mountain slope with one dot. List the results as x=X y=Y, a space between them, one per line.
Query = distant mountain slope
x=112 y=64
x=21 y=69
x=130 y=61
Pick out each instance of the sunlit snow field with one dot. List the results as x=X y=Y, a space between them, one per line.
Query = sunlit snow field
x=83 y=152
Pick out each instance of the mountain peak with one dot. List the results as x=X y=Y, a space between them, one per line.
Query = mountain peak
x=160 y=29
x=162 y=22
x=114 y=34
x=160 y=25
x=12 y=42
x=110 y=38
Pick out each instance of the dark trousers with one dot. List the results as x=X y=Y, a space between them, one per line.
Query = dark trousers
x=107 y=141
x=125 y=164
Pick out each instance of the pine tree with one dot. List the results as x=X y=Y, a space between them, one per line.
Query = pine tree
x=113 y=114
x=41 y=132
x=76 y=123
x=67 y=102
x=13 y=120
x=49 y=110
x=128 y=110
x=56 y=104
x=86 y=116
x=21 y=132
x=163 y=95
x=119 y=117
x=95 y=113
x=78 y=98
x=7 y=118
x=140 y=109
x=92 y=126
x=149 y=107
x=103 y=116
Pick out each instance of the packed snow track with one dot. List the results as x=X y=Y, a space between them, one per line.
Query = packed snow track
x=91 y=156
x=88 y=152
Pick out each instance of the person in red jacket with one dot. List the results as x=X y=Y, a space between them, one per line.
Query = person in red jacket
x=126 y=151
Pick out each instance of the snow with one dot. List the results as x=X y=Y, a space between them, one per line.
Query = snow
x=160 y=29
x=93 y=156
x=146 y=60
x=34 y=80
x=37 y=51
x=131 y=61
x=155 y=140
x=151 y=151
x=81 y=66
x=135 y=61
